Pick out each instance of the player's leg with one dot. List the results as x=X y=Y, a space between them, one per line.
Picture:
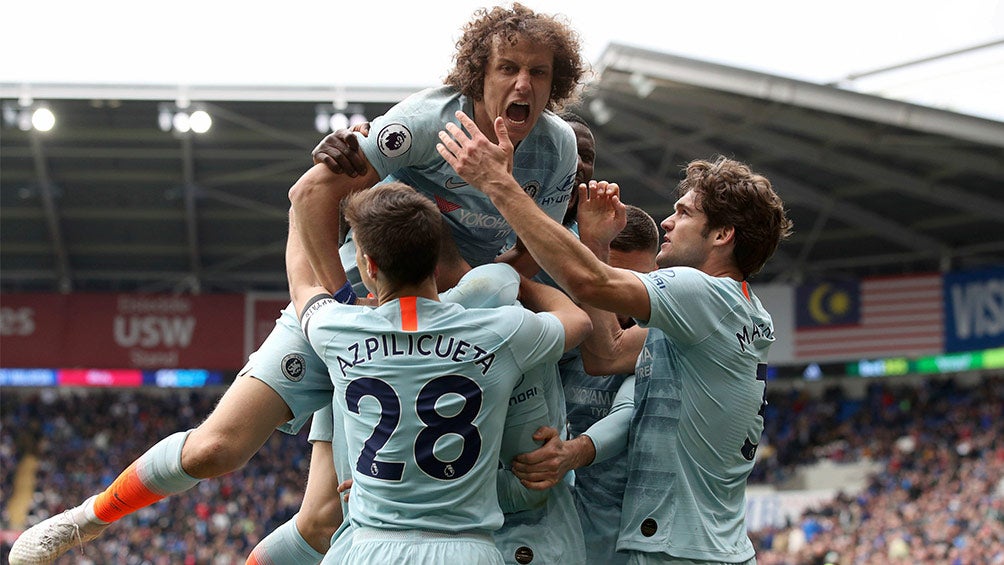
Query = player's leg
x=229 y=438
x=306 y=537
x=321 y=511
x=289 y=384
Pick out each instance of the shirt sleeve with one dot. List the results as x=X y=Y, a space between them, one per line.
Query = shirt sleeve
x=682 y=303
x=517 y=438
x=486 y=286
x=610 y=433
x=314 y=320
x=539 y=339
x=406 y=135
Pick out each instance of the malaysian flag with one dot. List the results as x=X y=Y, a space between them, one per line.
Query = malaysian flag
x=874 y=317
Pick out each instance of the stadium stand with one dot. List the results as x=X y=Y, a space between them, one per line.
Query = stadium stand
x=79 y=447
x=938 y=497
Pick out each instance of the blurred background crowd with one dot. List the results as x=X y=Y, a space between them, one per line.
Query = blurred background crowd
x=938 y=495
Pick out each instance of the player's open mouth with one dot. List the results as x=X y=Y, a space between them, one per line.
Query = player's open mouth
x=517 y=112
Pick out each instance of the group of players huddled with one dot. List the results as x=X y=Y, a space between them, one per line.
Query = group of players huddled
x=501 y=361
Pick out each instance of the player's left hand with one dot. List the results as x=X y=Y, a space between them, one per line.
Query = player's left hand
x=475 y=158
x=601 y=215
x=545 y=466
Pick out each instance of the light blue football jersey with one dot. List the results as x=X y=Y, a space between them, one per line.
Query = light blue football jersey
x=698 y=417
x=402 y=146
x=551 y=532
x=422 y=388
x=599 y=487
x=486 y=286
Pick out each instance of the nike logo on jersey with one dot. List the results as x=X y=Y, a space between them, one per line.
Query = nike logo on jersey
x=451 y=184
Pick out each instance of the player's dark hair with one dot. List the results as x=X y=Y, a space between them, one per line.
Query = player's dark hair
x=573 y=118
x=730 y=194
x=449 y=252
x=639 y=234
x=399 y=229
x=489 y=28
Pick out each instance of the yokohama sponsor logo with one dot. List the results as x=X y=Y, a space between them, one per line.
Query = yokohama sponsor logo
x=480 y=220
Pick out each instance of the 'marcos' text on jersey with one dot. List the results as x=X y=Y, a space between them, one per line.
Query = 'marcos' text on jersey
x=753 y=331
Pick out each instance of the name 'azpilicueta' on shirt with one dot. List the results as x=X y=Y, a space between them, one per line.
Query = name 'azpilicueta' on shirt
x=424 y=345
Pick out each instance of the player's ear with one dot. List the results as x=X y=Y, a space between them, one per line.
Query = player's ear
x=725 y=235
x=371 y=266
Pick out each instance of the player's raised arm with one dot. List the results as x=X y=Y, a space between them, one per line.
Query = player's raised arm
x=486 y=166
x=310 y=276
x=315 y=198
x=303 y=283
x=608 y=349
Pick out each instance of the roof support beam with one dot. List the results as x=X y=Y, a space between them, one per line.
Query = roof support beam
x=792 y=189
x=47 y=193
x=869 y=172
x=879 y=175
x=191 y=213
x=789 y=188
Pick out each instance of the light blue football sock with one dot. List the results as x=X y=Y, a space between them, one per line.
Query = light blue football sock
x=285 y=546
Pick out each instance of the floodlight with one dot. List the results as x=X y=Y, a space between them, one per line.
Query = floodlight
x=164 y=118
x=42 y=119
x=339 y=121
x=182 y=122
x=200 y=121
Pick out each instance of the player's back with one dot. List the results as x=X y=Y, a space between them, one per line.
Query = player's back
x=422 y=389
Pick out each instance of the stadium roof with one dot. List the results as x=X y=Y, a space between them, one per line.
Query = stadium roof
x=108 y=201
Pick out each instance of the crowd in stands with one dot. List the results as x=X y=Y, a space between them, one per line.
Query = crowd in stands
x=939 y=498
x=83 y=437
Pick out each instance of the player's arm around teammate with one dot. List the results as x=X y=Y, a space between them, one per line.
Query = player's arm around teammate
x=576 y=267
x=608 y=349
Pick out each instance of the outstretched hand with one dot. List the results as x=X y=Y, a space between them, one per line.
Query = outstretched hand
x=601 y=214
x=476 y=158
